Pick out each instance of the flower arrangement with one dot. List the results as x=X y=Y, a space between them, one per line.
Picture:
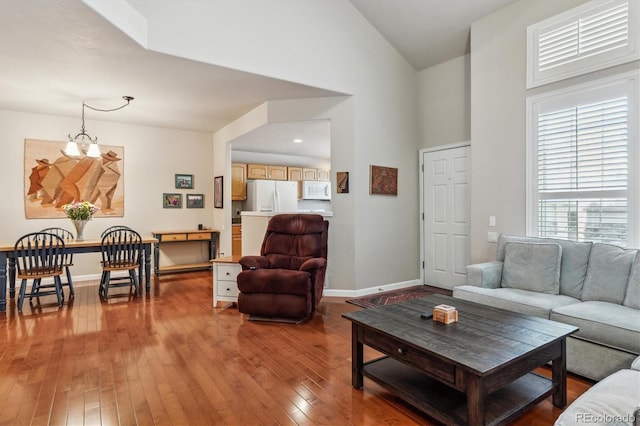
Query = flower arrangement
x=82 y=210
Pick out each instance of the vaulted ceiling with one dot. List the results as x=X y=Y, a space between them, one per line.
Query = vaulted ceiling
x=55 y=54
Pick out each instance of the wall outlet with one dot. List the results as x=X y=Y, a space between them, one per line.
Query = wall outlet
x=492 y=237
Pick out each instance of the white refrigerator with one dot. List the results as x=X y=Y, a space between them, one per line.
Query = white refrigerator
x=272 y=196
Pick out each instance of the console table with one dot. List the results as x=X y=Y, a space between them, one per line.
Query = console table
x=209 y=236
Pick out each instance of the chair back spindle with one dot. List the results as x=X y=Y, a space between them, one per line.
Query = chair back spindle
x=67 y=236
x=121 y=249
x=112 y=228
x=39 y=254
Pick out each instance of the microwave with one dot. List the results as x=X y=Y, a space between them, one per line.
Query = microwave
x=316 y=190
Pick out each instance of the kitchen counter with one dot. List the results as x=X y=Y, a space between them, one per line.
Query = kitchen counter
x=323 y=213
x=254 y=226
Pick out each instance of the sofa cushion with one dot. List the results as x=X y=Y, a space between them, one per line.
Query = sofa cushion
x=613 y=400
x=636 y=364
x=608 y=273
x=573 y=267
x=532 y=266
x=605 y=323
x=632 y=296
x=515 y=300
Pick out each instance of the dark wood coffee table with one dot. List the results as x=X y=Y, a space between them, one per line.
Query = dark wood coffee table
x=475 y=371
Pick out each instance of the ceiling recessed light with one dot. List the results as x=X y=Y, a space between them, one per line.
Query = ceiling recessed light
x=297 y=141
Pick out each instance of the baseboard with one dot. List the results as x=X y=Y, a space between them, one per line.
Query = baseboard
x=78 y=281
x=89 y=280
x=371 y=290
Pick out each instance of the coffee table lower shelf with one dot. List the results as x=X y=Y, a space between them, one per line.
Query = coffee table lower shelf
x=449 y=406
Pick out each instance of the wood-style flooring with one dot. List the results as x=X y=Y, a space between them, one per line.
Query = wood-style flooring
x=170 y=358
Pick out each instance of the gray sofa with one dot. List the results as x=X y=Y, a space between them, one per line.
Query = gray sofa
x=595 y=287
x=614 y=400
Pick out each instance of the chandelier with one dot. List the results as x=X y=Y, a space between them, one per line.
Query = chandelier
x=83 y=138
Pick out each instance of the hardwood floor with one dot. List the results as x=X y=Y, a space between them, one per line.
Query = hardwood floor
x=170 y=358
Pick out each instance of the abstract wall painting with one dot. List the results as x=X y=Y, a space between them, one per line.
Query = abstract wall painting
x=384 y=180
x=53 y=179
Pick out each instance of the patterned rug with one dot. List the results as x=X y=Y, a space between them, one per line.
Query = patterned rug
x=395 y=296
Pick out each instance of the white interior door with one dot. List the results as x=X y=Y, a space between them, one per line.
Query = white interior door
x=445 y=205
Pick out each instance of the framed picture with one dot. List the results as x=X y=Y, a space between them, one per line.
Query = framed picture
x=184 y=181
x=342 y=179
x=171 y=201
x=217 y=192
x=47 y=172
x=384 y=180
x=195 y=201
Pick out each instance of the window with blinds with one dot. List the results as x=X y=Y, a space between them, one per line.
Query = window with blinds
x=582 y=159
x=591 y=37
x=582 y=172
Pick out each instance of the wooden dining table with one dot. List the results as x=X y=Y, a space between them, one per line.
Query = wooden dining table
x=7 y=257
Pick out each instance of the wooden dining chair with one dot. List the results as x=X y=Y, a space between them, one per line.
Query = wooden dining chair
x=67 y=236
x=39 y=255
x=111 y=228
x=121 y=251
x=104 y=273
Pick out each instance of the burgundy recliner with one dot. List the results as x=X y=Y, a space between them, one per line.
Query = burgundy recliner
x=286 y=282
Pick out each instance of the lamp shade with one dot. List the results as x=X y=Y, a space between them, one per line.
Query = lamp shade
x=72 y=149
x=93 y=151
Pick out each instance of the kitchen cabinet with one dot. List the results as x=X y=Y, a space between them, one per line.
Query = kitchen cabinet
x=309 y=174
x=277 y=172
x=266 y=171
x=257 y=171
x=236 y=240
x=316 y=174
x=323 y=175
x=238 y=181
x=294 y=173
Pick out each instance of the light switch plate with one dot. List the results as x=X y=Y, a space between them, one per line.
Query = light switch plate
x=492 y=237
x=492 y=221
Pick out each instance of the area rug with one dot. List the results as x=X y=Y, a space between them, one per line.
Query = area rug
x=395 y=296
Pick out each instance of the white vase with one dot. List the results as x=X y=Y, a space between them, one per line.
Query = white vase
x=79 y=224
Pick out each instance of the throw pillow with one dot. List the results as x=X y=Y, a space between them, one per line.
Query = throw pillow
x=608 y=273
x=504 y=239
x=575 y=258
x=573 y=270
x=532 y=266
x=632 y=298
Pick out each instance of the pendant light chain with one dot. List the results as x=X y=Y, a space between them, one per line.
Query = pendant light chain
x=93 y=150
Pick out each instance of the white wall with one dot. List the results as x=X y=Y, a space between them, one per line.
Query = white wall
x=341 y=254
x=278 y=159
x=152 y=157
x=445 y=108
x=498 y=98
x=325 y=44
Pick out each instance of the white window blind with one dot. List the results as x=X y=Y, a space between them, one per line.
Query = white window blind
x=594 y=36
x=582 y=172
x=583 y=157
